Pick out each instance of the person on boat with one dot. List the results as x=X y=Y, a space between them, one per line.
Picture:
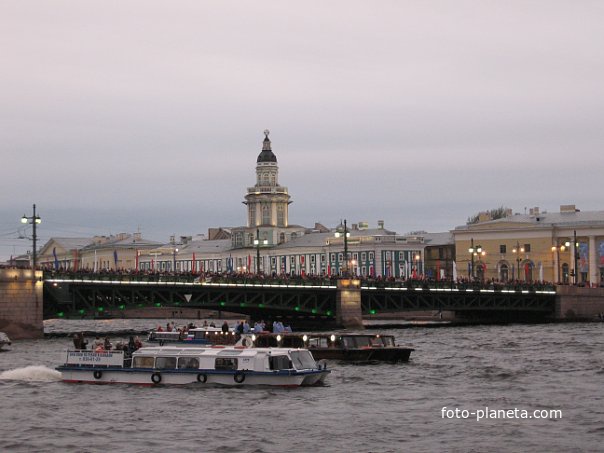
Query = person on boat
x=240 y=328
x=246 y=327
x=138 y=343
x=97 y=342
x=159 y=329
x=225 y=327
x=205 y=323
x=287 y=329
x=107 y=344
x=168 y=328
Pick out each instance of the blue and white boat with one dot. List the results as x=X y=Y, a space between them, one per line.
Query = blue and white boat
x=172 y=365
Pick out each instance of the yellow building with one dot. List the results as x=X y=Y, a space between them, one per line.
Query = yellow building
x=564 y=247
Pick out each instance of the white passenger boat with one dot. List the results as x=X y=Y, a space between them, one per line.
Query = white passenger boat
x=171 y=365
x=194 y=336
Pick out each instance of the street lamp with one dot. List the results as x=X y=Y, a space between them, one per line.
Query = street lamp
x=475 y=251
x=34 y=220
x=517 y=251
x=257 y=244
x=346 y=234
x=557 y=249
x=575 y=247
x=174 y=259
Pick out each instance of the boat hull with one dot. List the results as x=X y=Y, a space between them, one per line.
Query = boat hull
x=92 y=375
x=364 y=355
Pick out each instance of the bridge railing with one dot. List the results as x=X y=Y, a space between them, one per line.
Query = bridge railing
x=314 y=281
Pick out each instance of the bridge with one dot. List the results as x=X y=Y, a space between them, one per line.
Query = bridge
x=307 y=304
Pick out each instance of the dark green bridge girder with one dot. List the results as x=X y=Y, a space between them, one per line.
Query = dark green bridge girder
x=73 y=297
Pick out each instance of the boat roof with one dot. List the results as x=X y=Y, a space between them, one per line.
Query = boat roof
x=211 y=351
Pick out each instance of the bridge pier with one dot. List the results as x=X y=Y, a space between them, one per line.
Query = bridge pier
x=21 y=303
x=348 y=303
x=574 y=302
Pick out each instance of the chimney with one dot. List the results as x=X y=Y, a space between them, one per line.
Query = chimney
x=137 y=236
x=566 y=208
x=380 y=224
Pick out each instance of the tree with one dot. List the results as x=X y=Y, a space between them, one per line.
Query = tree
x=497 y=213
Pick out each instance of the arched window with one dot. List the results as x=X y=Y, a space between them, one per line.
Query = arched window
x=281 y=238
x=565 y=273
x=265 y=179
x=528 y=271
x=504 y=272
x=266 y=214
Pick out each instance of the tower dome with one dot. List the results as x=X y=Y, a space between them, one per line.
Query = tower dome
x=266 y=155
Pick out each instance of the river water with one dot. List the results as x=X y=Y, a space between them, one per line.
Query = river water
x=556 y=368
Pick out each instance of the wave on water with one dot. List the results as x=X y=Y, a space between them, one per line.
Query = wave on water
x=37 y=373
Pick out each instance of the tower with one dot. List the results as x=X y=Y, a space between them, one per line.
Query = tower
x=267 y=202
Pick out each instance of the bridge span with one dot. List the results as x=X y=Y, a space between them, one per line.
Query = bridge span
x=319 y=305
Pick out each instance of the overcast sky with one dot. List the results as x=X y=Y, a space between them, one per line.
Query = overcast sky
x=119 y=116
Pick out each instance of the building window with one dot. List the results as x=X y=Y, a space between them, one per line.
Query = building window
x=266 y=214
x=527 y=248
x=387 y=255
x=371 y=256
x=312 y=258
x=280 y=215
x=340 y=255
x=323 y=257
x=333 y=257
x=502 y=249
x=363 y=256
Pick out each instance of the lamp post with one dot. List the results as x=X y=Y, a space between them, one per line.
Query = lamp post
x=34 y=220
x=346 y=234
x=575 y=246
x=557 y=249
x=174 y=259
x=517 y=251
x=474 y=251
x=257 y=244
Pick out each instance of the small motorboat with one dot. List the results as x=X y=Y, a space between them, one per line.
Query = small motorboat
x=194 y=336
x=336 y=346
x=4 y=340
x=172 y=365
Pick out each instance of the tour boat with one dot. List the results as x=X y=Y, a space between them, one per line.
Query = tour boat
x=172 y=365
x=195 y=336
x=4 y=340
x=336 y=346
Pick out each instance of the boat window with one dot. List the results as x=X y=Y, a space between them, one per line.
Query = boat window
x=226 y=363
x=302 y=360
x=279 y=362
x=165 y=362
x=188 y=362
x=143 y=362
x=292 y=341
x=318 y=342
x=363 y=341
x=348 y=342
x=388 y=341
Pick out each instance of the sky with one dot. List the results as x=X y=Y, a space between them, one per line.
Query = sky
x=126 y=116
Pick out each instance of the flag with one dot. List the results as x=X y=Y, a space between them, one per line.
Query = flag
x=137 y=255
x=75 y=260
x=194 y=264
x=115 y=258
x=454 y=270
x=95 y=262
x=54 y=253
x=249 y=263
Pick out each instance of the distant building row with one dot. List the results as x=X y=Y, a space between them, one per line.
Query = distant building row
x=567 y=246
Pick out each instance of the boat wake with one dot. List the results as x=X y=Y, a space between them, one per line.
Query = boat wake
x=33 y=373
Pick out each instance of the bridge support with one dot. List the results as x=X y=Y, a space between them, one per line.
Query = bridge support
x=21 y=303
x=348 y=303
x=574 y=302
